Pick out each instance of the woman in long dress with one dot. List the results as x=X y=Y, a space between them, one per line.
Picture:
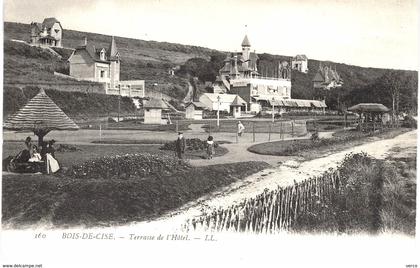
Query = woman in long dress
x=51 y=163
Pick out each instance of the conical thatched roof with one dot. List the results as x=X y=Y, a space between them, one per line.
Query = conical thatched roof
x=369 y=107
x=40 y=113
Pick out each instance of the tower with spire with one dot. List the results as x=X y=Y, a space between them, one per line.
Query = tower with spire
x=114 y=58
x=246 y=49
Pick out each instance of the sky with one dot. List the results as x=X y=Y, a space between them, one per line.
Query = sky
x=370 y=33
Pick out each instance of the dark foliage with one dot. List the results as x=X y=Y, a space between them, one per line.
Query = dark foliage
x=191 y=145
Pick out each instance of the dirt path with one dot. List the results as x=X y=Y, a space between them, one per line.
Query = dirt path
x=238 y=153
x=286 y=174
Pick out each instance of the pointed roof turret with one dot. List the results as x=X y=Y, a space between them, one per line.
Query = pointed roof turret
x=113 y=50
x=238 y=101
x=245 y=42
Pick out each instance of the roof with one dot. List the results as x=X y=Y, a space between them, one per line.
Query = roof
x=112 y=52
x=300 y=57
x=49 y=22
x=245 y=42
x=40 y=113
x=197 y=105
x=293 y=102
x=238 y=101
x=369 y=107
x=229 y=98
x=92 y=52
x=318 y=77
x=38 y=25
x=154 y=104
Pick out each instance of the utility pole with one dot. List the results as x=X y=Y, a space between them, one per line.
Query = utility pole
x=218 y=110
x=272 y=116
x=119 y=102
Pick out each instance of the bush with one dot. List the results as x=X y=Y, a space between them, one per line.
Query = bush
x=67 y=148
x=409 y=122
x=127 y=166
x=191 y=145
x=374 y=195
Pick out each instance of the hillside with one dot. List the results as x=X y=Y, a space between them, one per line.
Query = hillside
x=151 y=61
x=148 y=60
x=78 y=105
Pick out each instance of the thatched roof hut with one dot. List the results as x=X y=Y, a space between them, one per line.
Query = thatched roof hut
x=369 y=114
x=40 y=115
x=369 y=107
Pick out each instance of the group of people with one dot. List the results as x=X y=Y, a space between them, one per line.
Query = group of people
x=43 y=157
x=181 y=144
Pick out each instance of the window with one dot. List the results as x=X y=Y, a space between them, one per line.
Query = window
x=102 y=74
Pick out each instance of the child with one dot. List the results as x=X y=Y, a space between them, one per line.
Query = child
x=35 y=156
x=210 y=147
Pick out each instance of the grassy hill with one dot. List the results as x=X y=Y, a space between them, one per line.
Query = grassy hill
x=151 y=60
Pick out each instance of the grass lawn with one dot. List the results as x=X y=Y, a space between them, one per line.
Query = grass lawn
x=66 y=201
x=260 y=126
x=310 y=149
x=138 y=125
x=87 y=152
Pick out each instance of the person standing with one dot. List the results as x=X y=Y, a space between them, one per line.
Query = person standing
x=241 y=128
x=180 y=145
x=210 y=147
x=50 y=148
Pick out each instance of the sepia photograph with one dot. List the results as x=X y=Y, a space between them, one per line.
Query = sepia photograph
x=209 y=133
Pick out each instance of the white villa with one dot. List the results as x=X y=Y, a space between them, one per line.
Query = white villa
x=102 y=65
x=240 y=76
x=48 y=33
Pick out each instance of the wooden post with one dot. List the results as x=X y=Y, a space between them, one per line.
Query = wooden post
x=293 y=128
x=345 y=119
x=253 y=131
x=269 y=132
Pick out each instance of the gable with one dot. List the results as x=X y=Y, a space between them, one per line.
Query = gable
x=80 y=57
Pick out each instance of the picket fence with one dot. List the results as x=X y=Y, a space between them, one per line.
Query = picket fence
x=271 y=211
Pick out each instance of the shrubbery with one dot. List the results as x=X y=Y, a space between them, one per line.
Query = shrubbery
x=127 y=166
x=374 y=195
x=191 y=145
x=409 y=122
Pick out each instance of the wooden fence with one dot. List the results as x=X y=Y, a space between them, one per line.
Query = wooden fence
x=271 y=211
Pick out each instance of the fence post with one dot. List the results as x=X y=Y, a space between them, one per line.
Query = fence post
x=281 y=131
x=253 y=131
x=269 y=132
x=100 y=132
x=293 y=128
x=345 y=119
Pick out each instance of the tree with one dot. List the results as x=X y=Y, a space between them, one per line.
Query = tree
x=394 y=82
